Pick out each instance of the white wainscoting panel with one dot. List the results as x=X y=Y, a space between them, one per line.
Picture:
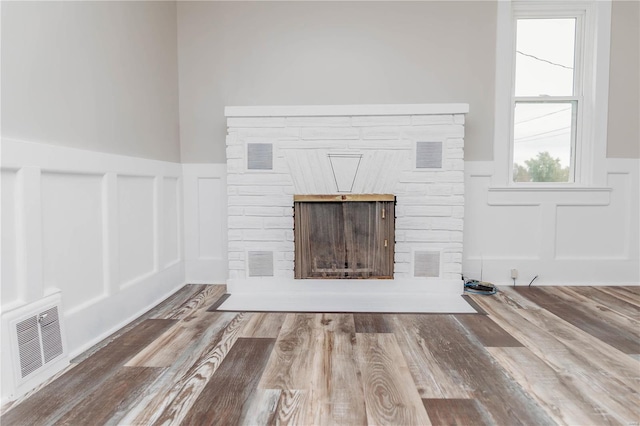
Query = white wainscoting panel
x=72 y=237
x=136 y=226
x=209 y=231
x=171 y=221
x=205 y=223
x=607 y=226
x=10 y=290
x=82 y=223
x=565 y=236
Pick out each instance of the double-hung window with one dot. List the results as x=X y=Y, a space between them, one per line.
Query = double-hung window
x=547 y=98
x=554 y=117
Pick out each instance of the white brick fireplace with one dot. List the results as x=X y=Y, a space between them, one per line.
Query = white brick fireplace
x=414 y=152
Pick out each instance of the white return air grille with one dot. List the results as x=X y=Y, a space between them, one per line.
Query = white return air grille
x=34 y=348
x=39 y=340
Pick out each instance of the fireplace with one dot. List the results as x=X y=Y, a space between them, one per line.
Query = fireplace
x=401 y=162
x=344 y=236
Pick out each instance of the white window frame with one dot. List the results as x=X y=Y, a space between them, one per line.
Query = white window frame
x=591 y=84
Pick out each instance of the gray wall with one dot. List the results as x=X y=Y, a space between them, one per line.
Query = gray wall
x=100 y=76
x=289 y=53
x=104 y=76
x=624 y=84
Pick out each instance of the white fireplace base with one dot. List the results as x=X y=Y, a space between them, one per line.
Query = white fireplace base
x=453 y=287
x=348 y=302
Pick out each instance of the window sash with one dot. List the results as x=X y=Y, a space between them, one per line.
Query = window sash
x=574 y=129
x=538 y=11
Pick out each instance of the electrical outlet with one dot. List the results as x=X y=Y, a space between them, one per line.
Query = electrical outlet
x=514 y=273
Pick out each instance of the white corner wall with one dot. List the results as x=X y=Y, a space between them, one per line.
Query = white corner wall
x=580 y=236
x=104 y=230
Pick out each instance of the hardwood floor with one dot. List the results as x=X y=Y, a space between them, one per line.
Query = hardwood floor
x=546 y=355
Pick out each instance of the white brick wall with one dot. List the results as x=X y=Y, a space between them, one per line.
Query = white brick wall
x=430 y=202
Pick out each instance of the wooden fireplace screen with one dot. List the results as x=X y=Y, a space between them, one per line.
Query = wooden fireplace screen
x=344 y=236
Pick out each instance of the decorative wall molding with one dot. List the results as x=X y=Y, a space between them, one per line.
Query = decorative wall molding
x=566 y=236
x=103 y=230
x=205 y=223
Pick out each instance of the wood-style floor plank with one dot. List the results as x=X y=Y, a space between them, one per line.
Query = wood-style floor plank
x=335 y=395
x=163 y=391
x=111 y=401
x=608 y=301
x=606 y=373
x=160 y=311
x=203 y=299
x=450 y=412
x=261 y=409
x=290 y=365
x=625 y=325
x=291 y=408
x=630 y=294
x=472 y=366
x=59 y=397
x=174 y=305
x=604 y=327
x=486 y=331
x=175 y=396
x=564 y=400
x=262 y=324
x=224 y=399
x=168 y=347
x=324 y=373
x=371 y=323
x=430 y=379
x=389 y=394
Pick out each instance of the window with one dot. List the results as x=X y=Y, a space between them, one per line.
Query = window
x=551 y=92
x=546 y=99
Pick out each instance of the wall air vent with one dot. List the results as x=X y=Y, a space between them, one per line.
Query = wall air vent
x=39 y=340
x=426 y=264
x=35 y=345
x=428 y=155
x=260 y=263
x=260 y=156
x=29 y=346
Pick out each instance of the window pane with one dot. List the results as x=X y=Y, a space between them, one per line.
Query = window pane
x=545 y=51
x=543 y=141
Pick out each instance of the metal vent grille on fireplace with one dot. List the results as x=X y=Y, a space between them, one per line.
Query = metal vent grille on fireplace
x=426 y=264
x=260 y=156
x=260 y=263
x=428 y=155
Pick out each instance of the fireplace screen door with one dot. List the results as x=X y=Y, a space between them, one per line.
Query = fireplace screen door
x=344 y=236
